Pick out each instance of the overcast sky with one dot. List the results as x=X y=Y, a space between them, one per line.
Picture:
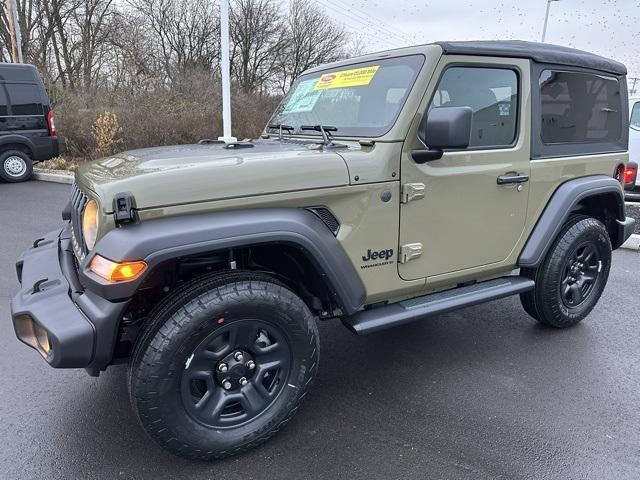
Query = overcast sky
x=607 y=27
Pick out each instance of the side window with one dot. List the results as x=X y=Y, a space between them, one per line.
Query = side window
x=4 y=110
x=24 y=99
x=579 y=107
x=492 y=93
x=635 y=116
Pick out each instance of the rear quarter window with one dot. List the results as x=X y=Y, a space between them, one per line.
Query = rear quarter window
x=579 y=108
x=24 y=99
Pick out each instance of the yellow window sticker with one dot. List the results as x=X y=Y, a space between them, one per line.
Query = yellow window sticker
x=356 y=77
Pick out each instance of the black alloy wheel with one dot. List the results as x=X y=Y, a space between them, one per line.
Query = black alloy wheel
x=581 y=272
x=235 y=373
x=572 y=276
x=222 y=364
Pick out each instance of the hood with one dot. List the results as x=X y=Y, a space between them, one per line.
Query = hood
x=182 y=174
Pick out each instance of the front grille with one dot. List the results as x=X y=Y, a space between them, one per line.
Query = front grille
x=78 y=202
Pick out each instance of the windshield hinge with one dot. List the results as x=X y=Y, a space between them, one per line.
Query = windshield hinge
x=412 y=191
x=124 y=205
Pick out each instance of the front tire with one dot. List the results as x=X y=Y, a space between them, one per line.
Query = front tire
x=573 y=275
x=223 y=365
x=15 y=166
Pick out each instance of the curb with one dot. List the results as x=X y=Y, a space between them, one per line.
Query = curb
x=633 y=243
x=58 y=176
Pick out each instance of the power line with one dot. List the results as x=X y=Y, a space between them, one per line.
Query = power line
x=377 y=22
x=392 y=38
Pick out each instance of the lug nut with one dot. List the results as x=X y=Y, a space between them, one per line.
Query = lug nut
x=238 y=356
x=243 y=381
x=226 y=384
x=223 y=367
x=251 y=364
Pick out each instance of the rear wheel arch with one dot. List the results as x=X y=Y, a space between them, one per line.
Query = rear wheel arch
x=606 y=208
x=16 y=144
x=597 y=196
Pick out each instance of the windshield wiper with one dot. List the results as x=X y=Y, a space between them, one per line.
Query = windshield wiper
x=325 y=130
x=280 y=127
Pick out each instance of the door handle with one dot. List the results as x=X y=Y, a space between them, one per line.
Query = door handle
x=507 y=179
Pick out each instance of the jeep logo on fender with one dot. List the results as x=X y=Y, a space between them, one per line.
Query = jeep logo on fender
x=382 y=254
x=378 y=258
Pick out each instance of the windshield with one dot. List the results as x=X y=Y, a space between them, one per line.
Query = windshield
x=361 y=100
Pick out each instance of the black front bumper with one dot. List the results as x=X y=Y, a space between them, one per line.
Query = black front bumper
x=81 y=327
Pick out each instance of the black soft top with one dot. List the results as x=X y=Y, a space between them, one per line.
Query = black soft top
x=539 y=52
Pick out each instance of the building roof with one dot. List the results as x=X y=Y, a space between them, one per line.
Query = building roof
x=539 y=52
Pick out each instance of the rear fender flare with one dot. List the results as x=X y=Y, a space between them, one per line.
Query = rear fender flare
x=563 y=201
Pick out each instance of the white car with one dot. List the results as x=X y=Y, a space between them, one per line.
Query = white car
x=632 y=178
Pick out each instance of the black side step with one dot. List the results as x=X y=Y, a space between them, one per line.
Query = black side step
x=372 y=320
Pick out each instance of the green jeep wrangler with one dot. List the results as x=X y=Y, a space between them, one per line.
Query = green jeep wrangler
x=385 y=189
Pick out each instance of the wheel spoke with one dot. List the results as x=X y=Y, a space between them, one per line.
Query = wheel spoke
x=200 y=369
x=269 y=357
x=576 y=294
x=253 y=399
x=587 y=254
x=212 y=403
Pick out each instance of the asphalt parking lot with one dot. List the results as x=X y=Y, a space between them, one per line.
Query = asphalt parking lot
x=481 y=393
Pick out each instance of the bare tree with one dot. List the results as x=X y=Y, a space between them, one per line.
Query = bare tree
x=185 y=34
x=258 y=38
x=312 y=38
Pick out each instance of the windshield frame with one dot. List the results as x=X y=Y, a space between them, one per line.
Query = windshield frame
x=421 y=60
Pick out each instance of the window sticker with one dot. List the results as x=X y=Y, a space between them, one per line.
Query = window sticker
x=504 y=109
x=303 y=99
x=356 y=77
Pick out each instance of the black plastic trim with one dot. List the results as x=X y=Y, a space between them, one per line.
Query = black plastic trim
x=156 y=241
x=81 y=327
x=375 y=319
x=558 y=209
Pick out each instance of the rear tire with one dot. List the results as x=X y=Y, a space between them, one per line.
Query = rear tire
x=263 y=334
x=15 y=166
x=573 y=275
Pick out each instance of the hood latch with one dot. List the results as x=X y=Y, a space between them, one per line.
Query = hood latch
x=124 y=205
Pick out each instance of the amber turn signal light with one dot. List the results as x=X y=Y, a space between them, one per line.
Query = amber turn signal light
x=116 y=271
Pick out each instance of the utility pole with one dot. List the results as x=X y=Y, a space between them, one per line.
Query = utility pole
x=546 y=19
x=14 y=31
x=225 y=68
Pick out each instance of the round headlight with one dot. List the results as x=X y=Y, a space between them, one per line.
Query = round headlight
x=90 y=223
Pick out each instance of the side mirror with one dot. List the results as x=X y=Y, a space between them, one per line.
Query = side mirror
x=443 y=127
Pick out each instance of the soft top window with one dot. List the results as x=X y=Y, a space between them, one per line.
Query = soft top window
x=578 y=107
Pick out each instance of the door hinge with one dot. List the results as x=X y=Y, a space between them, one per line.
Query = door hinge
x=412 y=191
x=410 y=251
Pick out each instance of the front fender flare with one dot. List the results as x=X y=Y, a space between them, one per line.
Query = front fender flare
x=156 y=241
